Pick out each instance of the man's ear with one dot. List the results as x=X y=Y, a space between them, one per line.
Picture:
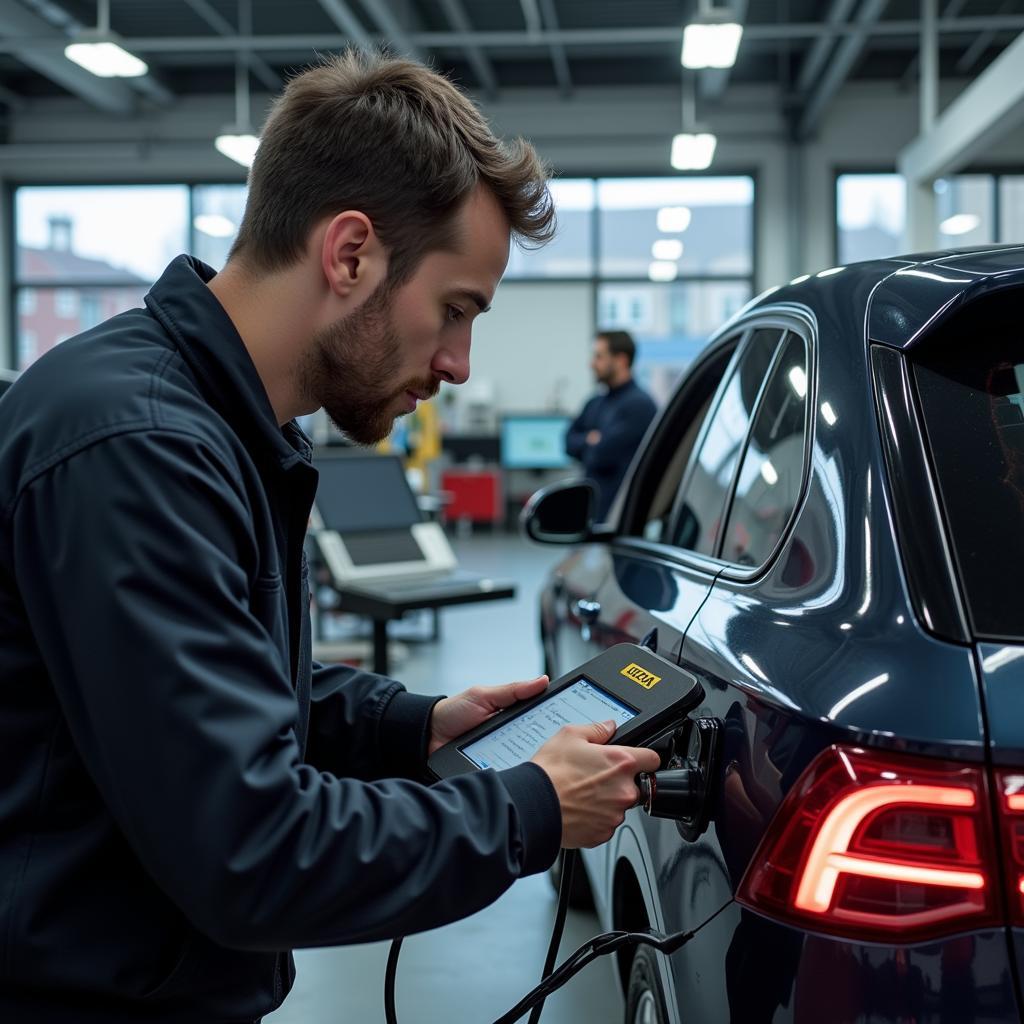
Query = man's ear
x=352 y=257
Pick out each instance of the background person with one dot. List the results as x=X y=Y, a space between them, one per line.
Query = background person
x=611 y=425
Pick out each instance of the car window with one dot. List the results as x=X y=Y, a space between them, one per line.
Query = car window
x=661 y=466
x=771 y=473
x=700 y=506
x=971 y=384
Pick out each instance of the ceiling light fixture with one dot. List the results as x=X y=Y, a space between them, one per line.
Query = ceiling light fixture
x=693 y=152
x=667 y=249
x=216 y=225
x=238 y=141
x=673 y=218
x=959 y=224
x=662 y=270
x=97 y=50
x=712 y=39
x=692 y=149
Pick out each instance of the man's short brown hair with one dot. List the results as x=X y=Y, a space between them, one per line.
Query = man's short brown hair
x=620 y=343
x=394 y=140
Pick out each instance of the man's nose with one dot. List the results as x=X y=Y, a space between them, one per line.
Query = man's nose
x=452 y=363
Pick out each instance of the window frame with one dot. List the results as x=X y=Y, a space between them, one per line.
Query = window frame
x=14 y=286
x=595 y=280
x=804 y=458
x=996 y=173
x=789 y=318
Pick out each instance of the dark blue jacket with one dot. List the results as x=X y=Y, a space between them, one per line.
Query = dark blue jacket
x=184 y=795
x=622 y=415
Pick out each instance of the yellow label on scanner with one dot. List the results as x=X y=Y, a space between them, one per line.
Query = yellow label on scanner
x=640 y=675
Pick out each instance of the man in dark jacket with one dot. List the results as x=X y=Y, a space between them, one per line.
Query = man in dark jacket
x=184 y=795
x=611 y=425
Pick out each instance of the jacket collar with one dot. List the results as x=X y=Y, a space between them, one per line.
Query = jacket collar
x=214 y=350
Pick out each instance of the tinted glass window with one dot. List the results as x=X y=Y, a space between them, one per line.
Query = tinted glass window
x=971 y=385
x=771 y=473
x=706 y=483
x=657 y=480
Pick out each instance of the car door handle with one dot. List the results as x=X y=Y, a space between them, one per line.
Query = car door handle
x=587 y=611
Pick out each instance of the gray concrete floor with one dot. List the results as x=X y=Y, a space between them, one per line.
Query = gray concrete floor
x=474 y=970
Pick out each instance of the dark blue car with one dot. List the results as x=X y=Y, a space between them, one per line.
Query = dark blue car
x=826 y=525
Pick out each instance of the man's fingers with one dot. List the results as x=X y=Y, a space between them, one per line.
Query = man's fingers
x=496 y=697
x=598 y=732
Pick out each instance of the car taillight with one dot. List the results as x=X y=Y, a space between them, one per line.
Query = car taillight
x=879 y=847
x=1010 y=786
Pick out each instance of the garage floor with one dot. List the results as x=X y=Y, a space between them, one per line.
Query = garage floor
x=472 y=971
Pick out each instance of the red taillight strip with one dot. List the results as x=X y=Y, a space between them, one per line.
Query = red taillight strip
x=829 y=858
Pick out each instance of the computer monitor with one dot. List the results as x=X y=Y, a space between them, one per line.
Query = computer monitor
x=534 y=441
x=368 y=522
x=470 y=447
x=360 y=491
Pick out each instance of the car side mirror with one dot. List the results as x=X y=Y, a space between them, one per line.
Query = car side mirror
x=561 y=514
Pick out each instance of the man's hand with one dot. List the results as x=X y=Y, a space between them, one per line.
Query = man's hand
x=454 y=716
x=595 y=783
x=594 y=437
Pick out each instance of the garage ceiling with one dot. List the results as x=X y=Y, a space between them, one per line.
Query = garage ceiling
x=801 y=48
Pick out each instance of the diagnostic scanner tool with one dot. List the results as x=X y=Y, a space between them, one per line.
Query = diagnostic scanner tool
x=642 y=692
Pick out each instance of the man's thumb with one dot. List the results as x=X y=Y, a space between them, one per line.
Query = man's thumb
x=601 y=732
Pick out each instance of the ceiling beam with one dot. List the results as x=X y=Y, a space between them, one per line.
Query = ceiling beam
x=382 y=15
x=767 y=34
x=257 y=65
x=712 y=82
x=980 y=45
x=456 y=15
x=342 y=15
x=843 y=60
x=810 y=69
x=953 y=8
x=548 y=16
x=19 y=26
x=989 y=108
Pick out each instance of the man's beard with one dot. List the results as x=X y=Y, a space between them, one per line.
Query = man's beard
x=351 y=371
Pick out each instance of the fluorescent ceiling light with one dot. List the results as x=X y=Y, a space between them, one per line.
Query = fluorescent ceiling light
x=216 y=225
x=707 y=45
x=673 y=218
x=661 y=270
x=959 y=223
x=693 y=152
x=667 y=249
x=238 y=147
x=830 y=271
x=829 y=414
x=798 y=380
x=104 y=58
x=800 y=279
x=771 y=477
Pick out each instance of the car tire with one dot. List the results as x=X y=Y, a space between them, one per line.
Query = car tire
x=645 y=998
x=580 y=896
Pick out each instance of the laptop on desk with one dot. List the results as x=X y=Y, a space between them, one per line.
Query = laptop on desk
x=369 y=527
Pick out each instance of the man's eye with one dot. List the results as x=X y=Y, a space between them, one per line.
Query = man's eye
x=454 y=313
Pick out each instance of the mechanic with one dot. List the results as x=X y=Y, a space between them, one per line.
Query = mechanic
x=610 y=427
x=184 y=795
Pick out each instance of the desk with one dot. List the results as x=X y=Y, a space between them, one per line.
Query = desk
x=385 y=600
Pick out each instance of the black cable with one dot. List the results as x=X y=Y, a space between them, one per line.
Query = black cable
x=568 y=867
x=600 y=945
x=389 y=982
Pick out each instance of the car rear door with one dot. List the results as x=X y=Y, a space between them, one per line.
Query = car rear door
x=969 y=381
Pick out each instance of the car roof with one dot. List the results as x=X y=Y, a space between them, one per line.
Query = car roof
x=910 y=295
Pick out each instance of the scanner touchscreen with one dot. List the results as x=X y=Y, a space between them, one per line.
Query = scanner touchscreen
x=518 y=740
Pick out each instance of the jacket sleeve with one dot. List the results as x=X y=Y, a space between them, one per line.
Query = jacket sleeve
x=576 y=436
x=130 y=556
x=366 y=726
x=622 y=437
